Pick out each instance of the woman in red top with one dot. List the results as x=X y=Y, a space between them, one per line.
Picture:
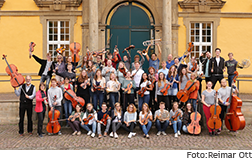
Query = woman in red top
x=41 y=107
x=193 y=95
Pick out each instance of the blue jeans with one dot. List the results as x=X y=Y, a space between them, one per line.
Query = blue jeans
x=47 y=78
x=98 y=95
x=184 y=128
x=146 y=128
x=86 y=127
x=159 y=125
x=193 y=103
x=68 y=109
x=113 y=98
x=177 y=125
x=142 y=100
x=230 y=79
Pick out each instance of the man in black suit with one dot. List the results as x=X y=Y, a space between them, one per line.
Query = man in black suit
x=217 y=66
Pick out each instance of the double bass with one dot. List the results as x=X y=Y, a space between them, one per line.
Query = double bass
x=71 y=96
x=194 y=127
x=214 y=121
x=234 y=119
x=53 y=125
x=16 y=78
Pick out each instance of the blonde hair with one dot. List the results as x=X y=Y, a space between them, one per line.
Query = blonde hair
x=148 y=109
x=134 y=108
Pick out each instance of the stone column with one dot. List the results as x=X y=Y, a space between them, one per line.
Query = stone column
x=167 y=29
x=93 y=25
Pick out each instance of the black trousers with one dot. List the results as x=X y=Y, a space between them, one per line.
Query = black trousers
x=214 y=79
x=128 y=99
x=130 y=128
x=223 y=111
x=152 y=103
x=165 y=99
x=22 y=109
x=41 y=116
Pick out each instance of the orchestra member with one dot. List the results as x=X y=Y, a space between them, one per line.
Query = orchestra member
x=193 y=95
x=206 y=65
x=61 y=67
x=137 y=75
x=145 y=116
x=83 y=64
x=162 y=119
x=171 y=62
x=153 y=77
x=127 y=60
x=154 y=60
x=178 y=123
x=163 y=69
x=208 y=99
x=192 y=66
x=159 y=97
x=101 y=114
x=41 y=102
x=74 y=120
x=137 y=59
x=25 y=104
x=117 y=119
x=231 y=65
x=183 y=78
x=129 y=120
x=90 y=112
x=186 y=119
x=121 y=78
x=217 y=66
x=113 y=86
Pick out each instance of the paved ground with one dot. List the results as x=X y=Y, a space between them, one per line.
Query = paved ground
x=10 y=140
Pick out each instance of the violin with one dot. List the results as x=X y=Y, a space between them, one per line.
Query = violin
x=88 y=54
x=175 y=117
x=145 y=119
x=105 y=117
x=183 y=94
x=53 y=125
x=90 y=117
x=128 y=48
x=115 y=58
x=214 y=121
x=128 y=89
x=31 y=48
x=234 y=119
x=194 y=127
x=16 y=78
x=71 y=96
x=85 y=83
x=194 y=66
x=123 y=71
x=164 y=91
x=97 y=88
x=76 y=115
x=141 y=91
x=189 y=49
x=60 y=50
x=75 y=49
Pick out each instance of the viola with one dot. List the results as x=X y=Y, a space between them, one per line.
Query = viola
x=141 y=91
x=175 y=117
x=194 y=127
x=31 y=48
x=183 y=94
x=105 y=117
x=90 y=117
x=53 y=125
x=164 y=91
x=16 y=78
x=71 y=96
x=123 y=71
x=128 y=48
x=234 y=119
x=75 y=49
x=128 y=89
x=115 y=58
x=214 y=121
x=145 y=119
x=60 y=50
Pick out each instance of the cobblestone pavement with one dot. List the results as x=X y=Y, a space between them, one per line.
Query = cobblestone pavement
x=10 y=140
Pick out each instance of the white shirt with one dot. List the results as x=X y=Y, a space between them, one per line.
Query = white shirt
x=48 y=65
x=144 y=84
x=218 y=61
x=138 y=76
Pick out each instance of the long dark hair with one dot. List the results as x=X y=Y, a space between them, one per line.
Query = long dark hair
x=181 y=74
x=142 y=80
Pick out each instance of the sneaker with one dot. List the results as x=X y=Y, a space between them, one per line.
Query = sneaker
x=41 y=136
x=158 y=133
x=133 y=134
x=59 y=133
x=99 y=136
x=21 y=135
x=30 y=133
x=179 y=133
x=115 y=136
x=93 y=135
x=78 y=133
x=163 y=132
x=74 y=133
x=147 y=136
x=105 y=134
x=43 y=133
x=211 y=134
x=89 y=133
x=176 y=135
x=49 y=134
x=111 y=134
x=130 y=135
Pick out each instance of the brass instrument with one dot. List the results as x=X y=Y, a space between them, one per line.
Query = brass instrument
x=143 y=52
x=152 y=42
x=245 y=63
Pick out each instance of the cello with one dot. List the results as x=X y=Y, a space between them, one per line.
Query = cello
x=53 y=125
x=71 y=96
x=75 y=49
x=183 y=94
x=214 y=121
x=234 y=119
x=194 y=127
x=16 y=78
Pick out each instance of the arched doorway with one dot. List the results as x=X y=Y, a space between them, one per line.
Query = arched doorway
x=129 y=23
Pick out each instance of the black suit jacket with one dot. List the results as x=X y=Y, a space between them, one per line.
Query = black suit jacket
x=43 y=65
x=217 y=69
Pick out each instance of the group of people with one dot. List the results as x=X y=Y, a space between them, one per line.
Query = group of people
x=127 y=85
